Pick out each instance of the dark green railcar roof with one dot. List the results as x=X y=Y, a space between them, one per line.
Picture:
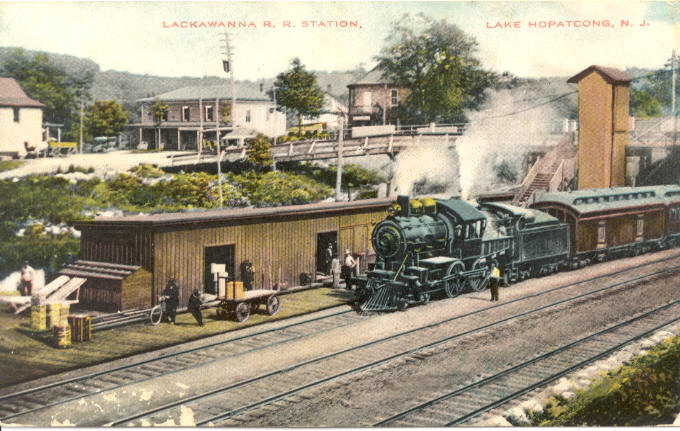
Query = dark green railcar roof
x=594 y=200
x=529 y=214
x=463 y=210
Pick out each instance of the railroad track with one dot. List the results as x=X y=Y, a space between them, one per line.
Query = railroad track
x=24 y=402
x=33 y=399
x=223 y=406
x=463 y=404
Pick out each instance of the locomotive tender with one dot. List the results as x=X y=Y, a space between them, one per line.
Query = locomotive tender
x=445 y=246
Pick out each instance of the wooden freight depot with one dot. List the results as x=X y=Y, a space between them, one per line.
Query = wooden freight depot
x=285 y=245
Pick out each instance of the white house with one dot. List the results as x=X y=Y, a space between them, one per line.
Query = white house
x=193 y=112
x=330 y=115
x=20 y=119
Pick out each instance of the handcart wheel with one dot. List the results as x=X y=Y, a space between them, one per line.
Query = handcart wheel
x=156 y=315
x=242 y=311
x=273 y=305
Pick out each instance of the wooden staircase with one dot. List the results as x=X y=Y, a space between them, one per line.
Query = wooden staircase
x=540 y=182
x=548 y=173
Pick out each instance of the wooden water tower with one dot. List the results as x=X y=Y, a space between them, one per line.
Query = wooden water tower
x=604 y=94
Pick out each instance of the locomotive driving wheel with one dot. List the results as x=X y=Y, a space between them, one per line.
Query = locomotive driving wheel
x=476 y=283
x=242 y=311
x=454 y=286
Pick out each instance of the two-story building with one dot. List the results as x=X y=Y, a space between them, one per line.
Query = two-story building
x=196 y=113
x=20 y=119
x=374 y=100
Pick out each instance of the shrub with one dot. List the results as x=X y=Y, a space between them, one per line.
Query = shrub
x=51 y=252
x=643 y=393
x=147 y=170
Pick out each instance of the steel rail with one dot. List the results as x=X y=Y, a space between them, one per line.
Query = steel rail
x=211 y=345
x=373 y=364
x=535 y=360
x=151 y=360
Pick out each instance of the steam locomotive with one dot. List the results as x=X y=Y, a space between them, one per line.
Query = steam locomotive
x=431 y=247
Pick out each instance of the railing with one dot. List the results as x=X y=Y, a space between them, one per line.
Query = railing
x=528 y=179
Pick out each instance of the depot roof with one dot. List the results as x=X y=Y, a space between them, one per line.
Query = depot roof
x=11 y=94
x=231 y=214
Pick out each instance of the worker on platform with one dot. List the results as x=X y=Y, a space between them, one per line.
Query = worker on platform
x=171 y=300
x=26 y=283
x=348 y=268
x=494 y=281
x=328 y=259
x=194 y=306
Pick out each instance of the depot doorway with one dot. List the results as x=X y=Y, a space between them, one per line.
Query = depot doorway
x=220 y=254
x=323 y=240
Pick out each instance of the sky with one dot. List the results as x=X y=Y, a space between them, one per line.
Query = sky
x=527 y=39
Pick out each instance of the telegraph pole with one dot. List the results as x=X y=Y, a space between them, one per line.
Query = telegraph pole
x=228 y=65
x=81 y=121
x=675 y=114
x=338 y=178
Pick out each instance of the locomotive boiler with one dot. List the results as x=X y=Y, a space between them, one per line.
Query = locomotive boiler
x=442 y=247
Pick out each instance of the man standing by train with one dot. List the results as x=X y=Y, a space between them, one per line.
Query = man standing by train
x=348 y=268
x=494 y=281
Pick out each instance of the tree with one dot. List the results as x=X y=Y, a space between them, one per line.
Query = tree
x=297 y=91
x=259 y=152
x=47 y=83
x=644 y=104
x=105 y=118
x=436 y=61
x=160 y=113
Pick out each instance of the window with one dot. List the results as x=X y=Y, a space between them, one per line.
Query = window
x=186 y=113
x=248 y=116
x=366 y=98
x=16 y=115
x=209 y=113
x=395 y=97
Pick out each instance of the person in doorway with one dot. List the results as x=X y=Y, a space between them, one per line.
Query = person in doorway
x=194 y=306
x=348 y=268
x=171 y=298
x=26 y=283
x=494 y=281
x=328 y=259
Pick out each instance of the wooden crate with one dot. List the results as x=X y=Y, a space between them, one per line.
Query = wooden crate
x=81 y=327
x=235 y=290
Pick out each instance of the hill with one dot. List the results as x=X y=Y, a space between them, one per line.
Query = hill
x=127 y=87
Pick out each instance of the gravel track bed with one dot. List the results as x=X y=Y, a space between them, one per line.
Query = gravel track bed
x=367 y=398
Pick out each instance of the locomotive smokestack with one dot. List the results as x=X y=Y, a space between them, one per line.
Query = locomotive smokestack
x=403 y=202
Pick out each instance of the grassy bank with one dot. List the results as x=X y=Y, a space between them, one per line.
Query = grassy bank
x=27 y=355
x=645 y=392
